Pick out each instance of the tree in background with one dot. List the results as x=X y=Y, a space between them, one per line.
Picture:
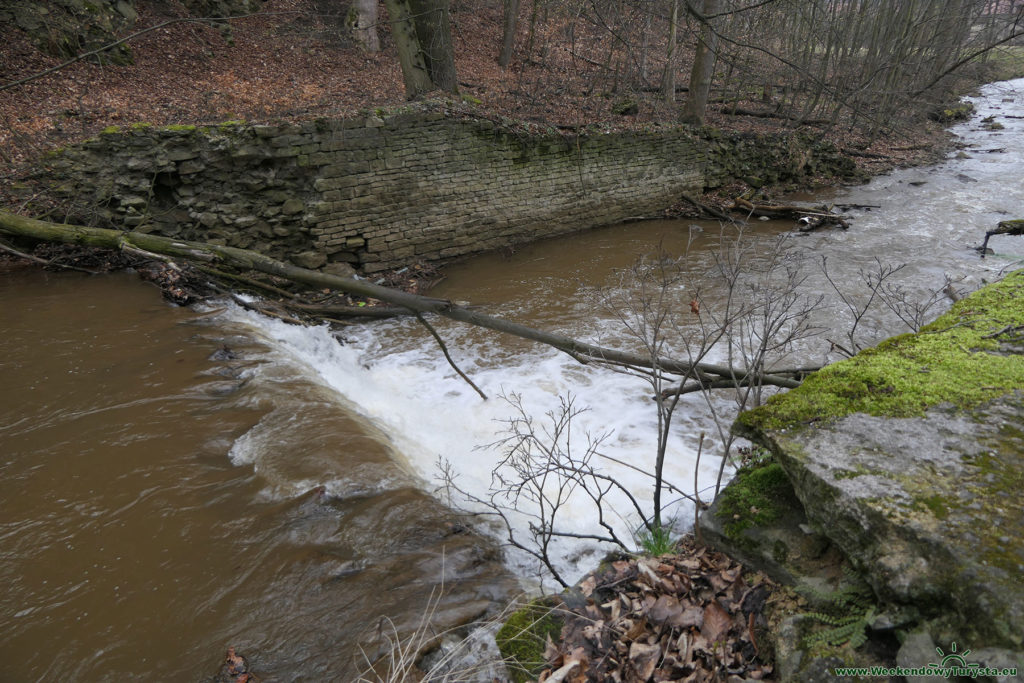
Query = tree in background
x=508 y=34
x=363 y=19
x=423 y=39
x=704 y=58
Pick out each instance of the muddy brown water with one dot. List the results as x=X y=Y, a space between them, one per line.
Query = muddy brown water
x=163 y=499
x=131 y=546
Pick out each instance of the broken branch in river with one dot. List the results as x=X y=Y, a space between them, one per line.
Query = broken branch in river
x=1013 y=227
x=810 y=219
x=244 y=259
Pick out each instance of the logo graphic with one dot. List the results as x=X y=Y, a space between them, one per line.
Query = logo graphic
x=952 y=664
x=954 y=658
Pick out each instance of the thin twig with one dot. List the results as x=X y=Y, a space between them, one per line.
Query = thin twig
x=29 y=257
x=667 y=484
x=448 y=357
x=710 y=210
x=245 y=280
x=1008 y=328
x=697 y=502
x=263 y=310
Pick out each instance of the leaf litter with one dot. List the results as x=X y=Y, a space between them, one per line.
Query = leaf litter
x=689 y=617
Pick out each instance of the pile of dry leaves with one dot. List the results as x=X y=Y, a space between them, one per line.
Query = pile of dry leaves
x=688 y=617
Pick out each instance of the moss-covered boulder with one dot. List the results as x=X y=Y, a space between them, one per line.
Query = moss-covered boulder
x=523 y=637
x=758 y=520
x=951 y=113
x=910 y=458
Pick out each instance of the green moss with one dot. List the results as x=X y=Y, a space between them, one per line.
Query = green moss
x=780 y=551
x=956 y=359
x=996 y=485
x=937 y=505
x=756 y=496
x=110 y=130
x=849 y=474
x=522 y=638
x=957 y=112
x=141 y=126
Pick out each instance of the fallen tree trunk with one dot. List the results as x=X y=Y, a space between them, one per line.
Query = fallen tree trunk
x=1013 y=227
x=249 y=260
x=709 y=210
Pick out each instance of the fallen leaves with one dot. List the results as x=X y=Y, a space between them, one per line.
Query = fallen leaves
x=717 y=622
x=292 y=62
x=689 y=617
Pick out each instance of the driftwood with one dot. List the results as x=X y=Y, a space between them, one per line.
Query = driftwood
x=708 y=210
x=809 y=219
x=864 y=155
x=1014 y=227
x=860 y=207
x=41 y=261
x=243 y=259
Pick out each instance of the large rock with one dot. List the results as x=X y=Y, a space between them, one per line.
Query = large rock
x=67 y=28
x=910 y=458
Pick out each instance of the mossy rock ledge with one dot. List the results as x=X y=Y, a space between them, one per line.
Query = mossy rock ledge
x=910 y=458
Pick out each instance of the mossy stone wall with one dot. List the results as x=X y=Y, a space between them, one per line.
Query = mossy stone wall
x=377 y=191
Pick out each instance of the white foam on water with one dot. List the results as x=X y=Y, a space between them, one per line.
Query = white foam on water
x=408 y=392
x=397 y=380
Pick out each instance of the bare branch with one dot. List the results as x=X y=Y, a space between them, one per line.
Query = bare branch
x=448 y=357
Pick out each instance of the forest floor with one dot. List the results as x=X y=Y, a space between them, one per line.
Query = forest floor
x=290 y=62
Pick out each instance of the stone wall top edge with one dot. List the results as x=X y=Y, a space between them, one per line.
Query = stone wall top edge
x=396 y=119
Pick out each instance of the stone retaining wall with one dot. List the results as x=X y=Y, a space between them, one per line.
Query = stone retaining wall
x=376 y=191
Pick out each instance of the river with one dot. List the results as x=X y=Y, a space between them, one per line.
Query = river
x=176 y=481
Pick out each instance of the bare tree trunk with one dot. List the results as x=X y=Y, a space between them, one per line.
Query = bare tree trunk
x=668 y=78
x=365 y=25
x=508 y=34
x=645 y=39
x=433 y=29
x=703 y=67
x=410 y=56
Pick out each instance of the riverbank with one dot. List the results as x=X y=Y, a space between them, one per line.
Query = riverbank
x=906 y=459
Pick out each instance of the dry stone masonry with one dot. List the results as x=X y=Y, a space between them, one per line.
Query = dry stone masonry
x=379 y=190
